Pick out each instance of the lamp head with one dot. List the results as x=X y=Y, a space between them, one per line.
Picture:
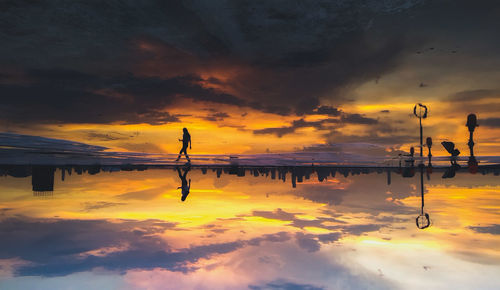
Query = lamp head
x=471 y=122
x=428 y=141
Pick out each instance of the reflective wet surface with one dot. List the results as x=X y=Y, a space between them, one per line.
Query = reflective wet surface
x=248 y=228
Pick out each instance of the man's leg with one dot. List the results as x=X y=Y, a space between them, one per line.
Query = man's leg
x=180 y=153
x=185 y=153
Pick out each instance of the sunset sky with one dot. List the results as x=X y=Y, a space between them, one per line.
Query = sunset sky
x=250 y=76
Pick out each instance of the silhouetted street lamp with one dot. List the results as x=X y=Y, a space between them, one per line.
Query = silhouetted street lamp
x=421 y=114
x=471 y=125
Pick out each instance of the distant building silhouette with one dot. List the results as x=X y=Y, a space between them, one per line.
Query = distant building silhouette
x=42 y=179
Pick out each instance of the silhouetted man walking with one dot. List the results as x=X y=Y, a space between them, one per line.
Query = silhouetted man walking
x=186 y=140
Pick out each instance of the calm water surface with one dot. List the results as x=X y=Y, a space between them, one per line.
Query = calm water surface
x=131 y=230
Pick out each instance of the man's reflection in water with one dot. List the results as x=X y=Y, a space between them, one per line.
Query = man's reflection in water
x=185 y=187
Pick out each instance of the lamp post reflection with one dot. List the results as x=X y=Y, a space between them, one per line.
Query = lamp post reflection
x=428 y=142
x=423 y=221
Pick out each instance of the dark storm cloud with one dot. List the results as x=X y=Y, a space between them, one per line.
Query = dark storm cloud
x=58 y=247
x=296 y=124
x=277 y=237
x=321 y=194
x=283 y=58
x=109 y=136
x=358 y=119
x=310 y=242
x=280 y=131
x=471 y=95
x=217 y=116
x=390 y=219
x=89 y=206
x=490 y=122
x=361 y=229
x=318 y=223
x=493 y=229
x=146 y=194
x=147 y=257
x=307 y=242
x=278 y=214
x=286 y=58
x=329 y=238
x=374 y=137
x=328 y=123
x=68 y=96
x=284 y=285
x=41 y=241
x=327 y=110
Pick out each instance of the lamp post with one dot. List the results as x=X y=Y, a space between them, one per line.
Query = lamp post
x=471 y=125
x=421 y=114
x=428 y=141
